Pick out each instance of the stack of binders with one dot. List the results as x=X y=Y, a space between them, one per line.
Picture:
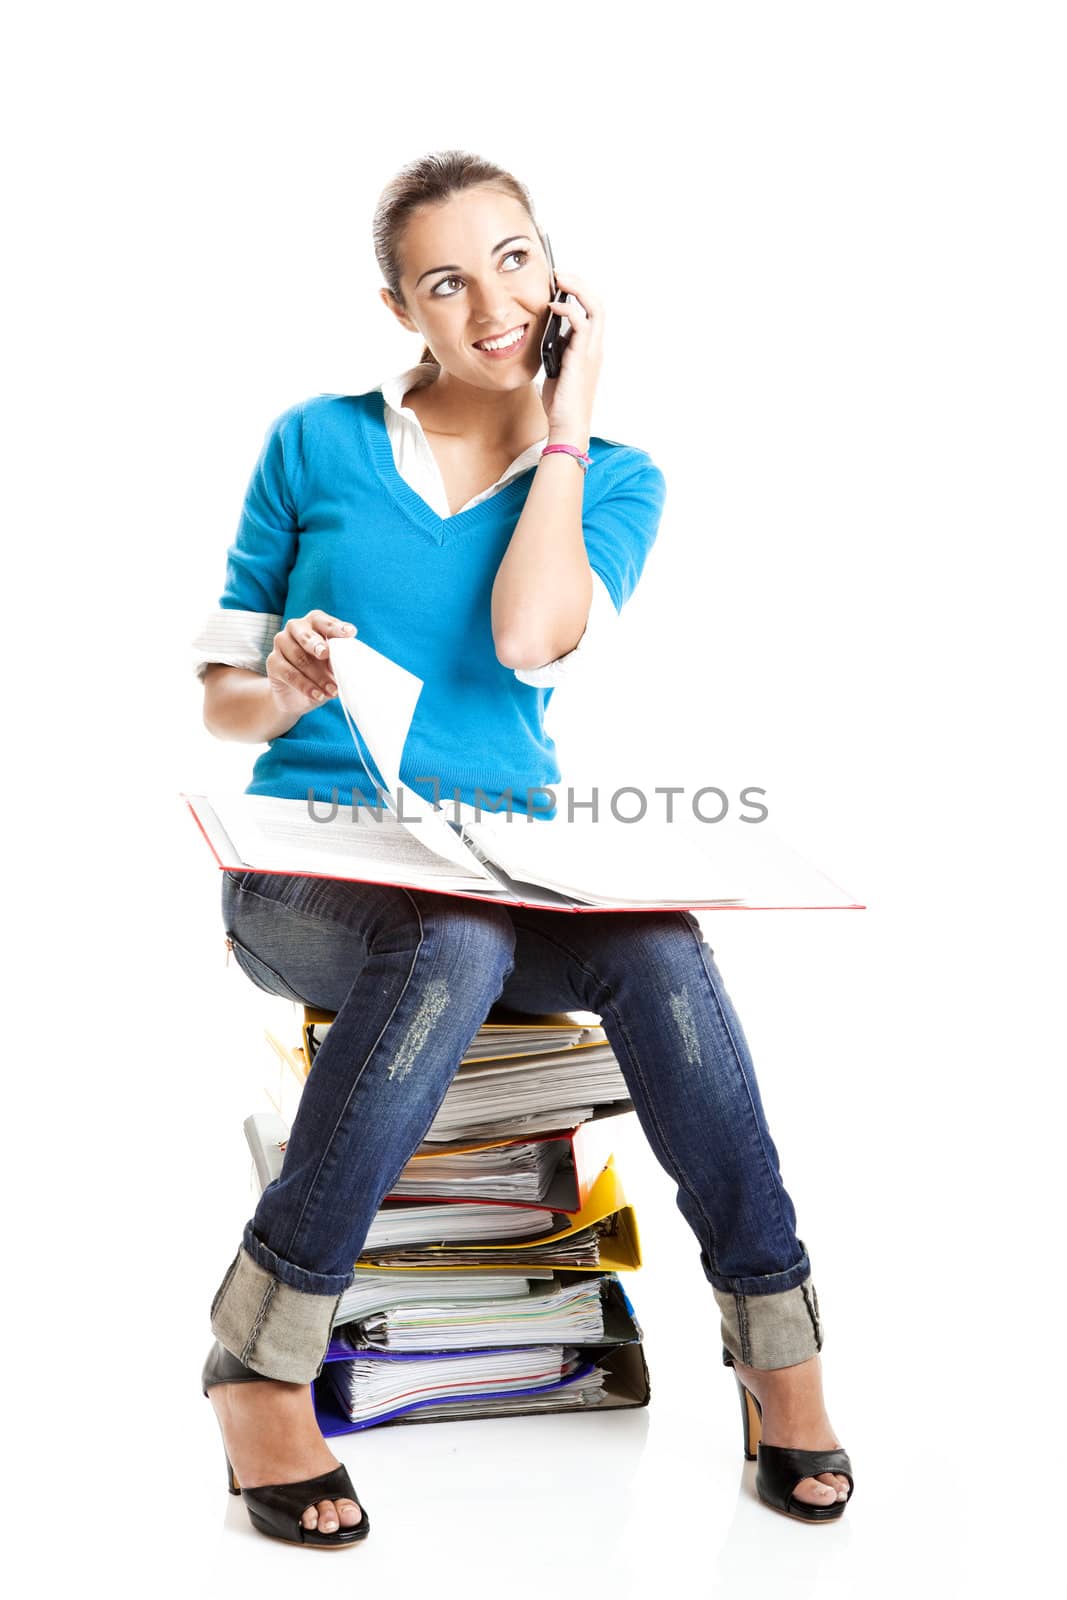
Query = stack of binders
x=488 y=1284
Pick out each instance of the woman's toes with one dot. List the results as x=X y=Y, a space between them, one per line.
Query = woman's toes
x=349 y=1513
x=310 y=1518
x=327 y=1517
x=814 y=1493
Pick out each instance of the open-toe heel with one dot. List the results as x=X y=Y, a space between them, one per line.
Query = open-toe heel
x=275 y=1509
x=779 y=1468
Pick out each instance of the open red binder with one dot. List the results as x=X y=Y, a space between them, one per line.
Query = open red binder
x=546 y=865
x=597 y=863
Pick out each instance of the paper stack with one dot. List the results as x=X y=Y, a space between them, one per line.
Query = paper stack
x=488 y=1283
x=519 y=1077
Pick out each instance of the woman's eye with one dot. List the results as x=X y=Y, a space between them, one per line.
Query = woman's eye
x=525 y=254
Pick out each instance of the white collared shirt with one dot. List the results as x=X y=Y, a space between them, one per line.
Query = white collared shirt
x=245 y=638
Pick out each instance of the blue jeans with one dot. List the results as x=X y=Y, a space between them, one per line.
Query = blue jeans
x=411 y=977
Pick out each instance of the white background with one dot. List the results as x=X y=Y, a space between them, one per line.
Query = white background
x=830 y=241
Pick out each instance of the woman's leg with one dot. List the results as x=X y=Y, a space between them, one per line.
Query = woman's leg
x=657 y=989
x=411 y=978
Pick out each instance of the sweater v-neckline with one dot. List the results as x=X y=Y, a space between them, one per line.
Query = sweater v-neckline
x=440 y=529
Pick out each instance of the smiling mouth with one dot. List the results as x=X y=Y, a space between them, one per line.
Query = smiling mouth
x=511 y=341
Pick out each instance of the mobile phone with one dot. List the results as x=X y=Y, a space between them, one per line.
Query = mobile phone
x=554 y=342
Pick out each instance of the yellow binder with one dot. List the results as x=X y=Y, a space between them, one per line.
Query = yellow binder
x=620 y=1246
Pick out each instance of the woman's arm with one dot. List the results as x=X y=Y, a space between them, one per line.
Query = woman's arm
x=239 y=704
x=544 y=585
x=258 y=707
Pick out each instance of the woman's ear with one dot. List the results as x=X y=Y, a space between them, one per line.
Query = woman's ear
x=398 y=311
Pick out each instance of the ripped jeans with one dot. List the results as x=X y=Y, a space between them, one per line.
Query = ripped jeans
x=411 y=977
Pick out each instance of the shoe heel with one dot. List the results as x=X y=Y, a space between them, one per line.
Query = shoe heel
x=751 y=1419
x=231 y=1480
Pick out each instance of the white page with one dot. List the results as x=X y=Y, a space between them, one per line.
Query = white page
x=455 y=1223
x=656 y=862
x=650 y=862
x=378 y=698
x=276 y=835
x=370 y=1388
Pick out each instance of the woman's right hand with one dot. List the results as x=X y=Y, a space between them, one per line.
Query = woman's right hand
x=298 y=667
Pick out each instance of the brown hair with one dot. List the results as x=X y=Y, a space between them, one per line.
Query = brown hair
x=427 y=181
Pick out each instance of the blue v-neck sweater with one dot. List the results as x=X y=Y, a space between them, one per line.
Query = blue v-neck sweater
x=328 y=522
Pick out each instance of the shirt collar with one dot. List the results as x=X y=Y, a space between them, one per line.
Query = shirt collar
x=394 y=389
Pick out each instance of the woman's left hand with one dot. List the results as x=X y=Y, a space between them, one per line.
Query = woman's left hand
x=568 y=399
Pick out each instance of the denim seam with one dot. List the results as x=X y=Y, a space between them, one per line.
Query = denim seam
x=694 y=931
x=813 y=1313
x=356 y=1081
x=675 y=1170
x=742 y=1330
x=253 y=1335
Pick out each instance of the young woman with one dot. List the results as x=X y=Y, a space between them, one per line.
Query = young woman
x=431 y=515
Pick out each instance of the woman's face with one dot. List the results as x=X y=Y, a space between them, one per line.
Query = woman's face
x=474 y=268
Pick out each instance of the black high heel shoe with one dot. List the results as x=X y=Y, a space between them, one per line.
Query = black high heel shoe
x=781 y=1468
x=276 y=1508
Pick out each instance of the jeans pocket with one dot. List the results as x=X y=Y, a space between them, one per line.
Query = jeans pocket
x=263 y=976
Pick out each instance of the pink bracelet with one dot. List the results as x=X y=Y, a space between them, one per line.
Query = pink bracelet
x=584 y=461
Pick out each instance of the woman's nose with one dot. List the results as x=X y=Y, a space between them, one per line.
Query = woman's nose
x=491 y=316
x=490 y=305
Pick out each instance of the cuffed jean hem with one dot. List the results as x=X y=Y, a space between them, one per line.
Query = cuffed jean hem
x=285 y=1271
x=764 y=1283
x=766 y=1331
x=275 y=1329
